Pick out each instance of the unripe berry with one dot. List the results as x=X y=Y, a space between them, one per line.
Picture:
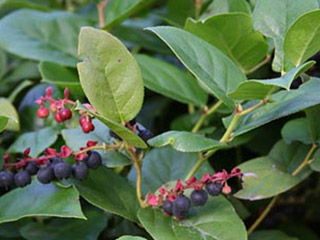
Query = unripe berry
x=87 y=127
x=62 y=170
x=167 y=207
x=94 y=160
x=43 y=112
x=82 y=120
x=80 y=170
x=6 y=179
x=181 y=206
x=65 y=114
x=57 y=117
x=145 y=135
x=214 y=189
x=22 y=179
x=199 y=197
x=45 y=175
x=32 y=168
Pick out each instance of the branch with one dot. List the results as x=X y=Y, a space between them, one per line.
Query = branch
x=100 y=7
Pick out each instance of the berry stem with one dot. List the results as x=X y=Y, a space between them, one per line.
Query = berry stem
x=204 y=116
x=137 y=164
x=100 y=7
x=100 y=147
x=306 y=160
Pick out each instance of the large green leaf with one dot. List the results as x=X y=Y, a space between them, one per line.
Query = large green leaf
x=259 y=89
x=179 y=10
x=270 y=234
x=315 y=164
x=216 y=220
x=273 y=172
x=107 y=190
x=109 y=75
x=296 y=130
x=313 y=114
x=162 y=165
x=38 y=141
x=75 y=139
x=226 y=6
x=3 y=122
x=185 y=141
x=62 y=77
x=238 y=41
x=274 y=17
x=40 y=200
x=8 y=111
x=170 y=81
x=67 y=229
x=284 y=103
x=302 y=39
x=214 y=70
x=13 y=4
x=42 y=36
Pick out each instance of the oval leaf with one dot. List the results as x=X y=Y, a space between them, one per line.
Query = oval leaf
x=109 y=75
x=8 y=111
x=296 y=130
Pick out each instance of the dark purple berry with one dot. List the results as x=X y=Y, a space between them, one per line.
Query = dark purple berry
x=214 y=189
x=62 y=170
x=32 y=168
x=145 y=135
x=6 y=179
x=94 y=160
x=114 y=135
x=45 y=175
x=167 y=207
x=199 y=197
x=22 y=179
x=80 y=170
x=181 y=206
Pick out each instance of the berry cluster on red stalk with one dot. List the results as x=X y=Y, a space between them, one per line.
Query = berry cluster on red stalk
x=60 y=109
x=174 y=202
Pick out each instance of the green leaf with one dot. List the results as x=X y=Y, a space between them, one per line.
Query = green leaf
x=164 y=78
x=270 y=234
x=3 y=63
x=214 y=70
x=75 y=139
x=38 y=141
x=62 y=77
x=296 y=130
x=3 y=123
x=273 y=172
x=179 y=11
x=22 y=4
x=315 y=163
x=302 y=39
x=119 y=10
x=53 y=202
x=259 y=89
x=17 y=90
x=34 y=35
x=109 y=75
x=216 y=220
x=67 y=229
x=313 y=114
x=130 y=238
x=107 y=190
x=240 y=42
x=162 y=165
x=185 y=141
x=7 y=110
x=284 y=103
x=274 y=17
x=226 y=6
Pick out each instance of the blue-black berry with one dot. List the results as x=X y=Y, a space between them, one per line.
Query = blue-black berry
x=181 y=206
x=214 y=189
x=80 y=170
x=45 y=175
x=54 y=161
x=22 y=179
x=167 y=207
x=32 y=168
x=199 y=197
x=145 y=134
x=62 y=170
x=94 y=160
x=6 y=179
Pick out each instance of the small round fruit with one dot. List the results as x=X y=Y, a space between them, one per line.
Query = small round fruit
x=32 y=168
x=82 y=120
x=181 y=206
x=87 y=127
x=199 y=197
x=94 y=160
x=65 y=114
x=6 y=179
x=54 y=161
x=45 y=175
x=214 y=189
x=43 y=112
x=167 y=207
x=22 y=179
x=80 y=170
x=62 y=170
x=145 y=135
x=57 y=117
